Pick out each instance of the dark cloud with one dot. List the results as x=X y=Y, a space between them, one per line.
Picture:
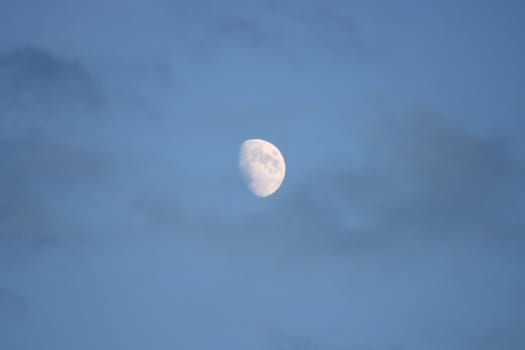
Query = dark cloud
x=445 y=178
x=14 y=321
x=36 y=81
x=41 y=96
x=11 y=304
x=284 y=28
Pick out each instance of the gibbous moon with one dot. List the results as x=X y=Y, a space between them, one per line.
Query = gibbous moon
x=262 y=166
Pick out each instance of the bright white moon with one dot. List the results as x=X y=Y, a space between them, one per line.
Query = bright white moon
x=262 y=166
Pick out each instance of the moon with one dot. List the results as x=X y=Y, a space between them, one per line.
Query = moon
x=262 y=166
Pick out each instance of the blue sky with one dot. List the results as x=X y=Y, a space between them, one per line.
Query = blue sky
x=124 y=221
